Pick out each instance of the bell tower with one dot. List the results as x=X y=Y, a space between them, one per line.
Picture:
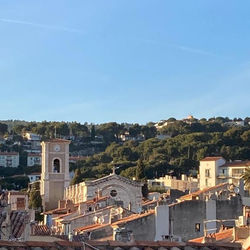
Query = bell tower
x=55 y=171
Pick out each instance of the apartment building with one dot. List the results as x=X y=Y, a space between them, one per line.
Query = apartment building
x=215 y=170
x=9 y=159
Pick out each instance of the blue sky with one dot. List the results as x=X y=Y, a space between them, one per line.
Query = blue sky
x=124 y=60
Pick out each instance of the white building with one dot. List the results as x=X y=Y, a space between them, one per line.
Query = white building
x=33 y=159
x=127 y=137
x=215 y=170
x=34 y=177
x=9 y=159
x=235 y=123
x=32 y=137
x=32 y=144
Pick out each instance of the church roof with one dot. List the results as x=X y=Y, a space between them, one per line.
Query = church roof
x=114 y=176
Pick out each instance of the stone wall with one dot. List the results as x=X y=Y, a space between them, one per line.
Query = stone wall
x=185 y=217
x=229 y=209
x=142 y=228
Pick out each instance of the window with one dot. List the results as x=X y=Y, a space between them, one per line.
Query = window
x=113 y=193
x=20 y=203
x=197 y=227
x=56 y=166
x=207 y=172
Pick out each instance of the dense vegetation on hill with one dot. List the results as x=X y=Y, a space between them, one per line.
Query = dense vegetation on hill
x=176 y=155
x=186 y=143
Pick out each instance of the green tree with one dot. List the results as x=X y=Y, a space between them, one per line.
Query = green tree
x=77 y=178
x=92 y=132
x=3 y=128
x=35 y=200
x=246 y=177
x=140 y=170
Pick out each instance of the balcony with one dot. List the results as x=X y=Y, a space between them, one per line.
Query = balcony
x=225 y=176
x=222 y=176
x=238 y=176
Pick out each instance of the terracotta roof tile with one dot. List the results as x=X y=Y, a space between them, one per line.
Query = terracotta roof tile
x=237 y=164
x=34 y=154
x=133 y=217
x=225 y=236
x=9 y=153
x=212 y=158
x=197 y=193
x=90 y=227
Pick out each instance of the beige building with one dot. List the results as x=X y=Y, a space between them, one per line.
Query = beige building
x=55 y=171
x=215 y=170
x=18 y=200
x=171 y=182
x=126 y=192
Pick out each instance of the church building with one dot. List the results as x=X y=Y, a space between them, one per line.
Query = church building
x=55 y=181
x=126 y=192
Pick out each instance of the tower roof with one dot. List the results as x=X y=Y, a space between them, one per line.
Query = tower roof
x=212 y=158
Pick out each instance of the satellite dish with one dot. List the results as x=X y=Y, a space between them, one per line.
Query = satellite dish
x=95 y=219
x=236 y=190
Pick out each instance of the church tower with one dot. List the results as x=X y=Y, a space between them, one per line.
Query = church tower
x=55 y=171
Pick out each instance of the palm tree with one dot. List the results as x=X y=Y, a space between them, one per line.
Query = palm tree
x=246 y=177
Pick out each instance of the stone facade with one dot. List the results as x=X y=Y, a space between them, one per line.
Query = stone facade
x=55 y=171
x=121 y=189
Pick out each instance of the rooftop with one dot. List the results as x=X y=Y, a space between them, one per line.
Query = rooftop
x=212 y=158
x=237 y=164
x=17 y=193
x=225 y=236
x=9 y=153
x=57 y=140
x=34 y=154
x=205 y=190
x=133 y=217
x=90 y=227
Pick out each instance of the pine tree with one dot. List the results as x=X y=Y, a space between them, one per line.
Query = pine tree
x=246 y=177
x=140 y=170
x=35 y=200
x=92 y=132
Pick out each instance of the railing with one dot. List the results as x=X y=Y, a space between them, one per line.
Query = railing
x=223 y=176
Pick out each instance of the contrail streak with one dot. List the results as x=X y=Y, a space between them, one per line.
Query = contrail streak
x=38 y=25
x=181 y=47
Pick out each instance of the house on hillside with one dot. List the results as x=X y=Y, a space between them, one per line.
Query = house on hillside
x=215 y=170
x=9 y=159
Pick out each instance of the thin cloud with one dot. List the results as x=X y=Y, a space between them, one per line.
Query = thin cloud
x=43 y=26
x=181 y=47
x=195 y=51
